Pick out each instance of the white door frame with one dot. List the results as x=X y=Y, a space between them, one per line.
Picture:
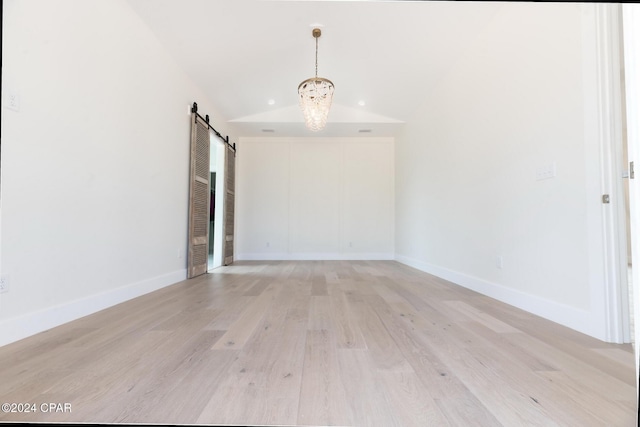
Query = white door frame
x=606 y=126
x=631 y=37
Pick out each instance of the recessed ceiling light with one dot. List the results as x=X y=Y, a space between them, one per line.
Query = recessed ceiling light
x=361 y=103
x=271 y=101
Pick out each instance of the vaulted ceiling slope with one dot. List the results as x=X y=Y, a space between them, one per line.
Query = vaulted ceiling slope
x=250 y=55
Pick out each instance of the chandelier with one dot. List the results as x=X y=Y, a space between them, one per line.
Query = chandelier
x=315 y=95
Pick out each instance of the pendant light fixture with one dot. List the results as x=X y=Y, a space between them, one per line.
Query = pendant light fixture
x=315 y=96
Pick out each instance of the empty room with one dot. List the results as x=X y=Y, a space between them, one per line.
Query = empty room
x=314 y=213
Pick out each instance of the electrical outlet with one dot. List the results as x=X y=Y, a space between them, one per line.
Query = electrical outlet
x=499 y=261
x=4 y=284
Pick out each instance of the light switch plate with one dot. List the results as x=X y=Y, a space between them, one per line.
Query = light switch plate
x=12 y=100
x=546 y=171
x=4 y=284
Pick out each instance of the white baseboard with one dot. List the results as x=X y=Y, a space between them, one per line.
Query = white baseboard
x=20 y=327
x=571 y=317
x=313 y=256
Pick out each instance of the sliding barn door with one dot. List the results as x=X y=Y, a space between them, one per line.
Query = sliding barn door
x=229 y=203
x=198 y=199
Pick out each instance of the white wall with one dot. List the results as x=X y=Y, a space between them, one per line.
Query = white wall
x=315 y=198
x=94 y=164
x=466 y=187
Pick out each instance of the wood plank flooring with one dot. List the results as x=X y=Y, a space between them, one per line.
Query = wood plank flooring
x=350 y=343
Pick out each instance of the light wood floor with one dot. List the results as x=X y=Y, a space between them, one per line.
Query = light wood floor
x=359 y=343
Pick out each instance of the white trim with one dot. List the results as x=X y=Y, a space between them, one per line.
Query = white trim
x=631 y=29
x=29 y=324
x=609 y=133
x=579 y=320
x=312 y=256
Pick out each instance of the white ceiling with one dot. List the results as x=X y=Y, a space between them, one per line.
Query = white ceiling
x=243 y=53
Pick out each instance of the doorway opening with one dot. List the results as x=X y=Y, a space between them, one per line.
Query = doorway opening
x=216 y=205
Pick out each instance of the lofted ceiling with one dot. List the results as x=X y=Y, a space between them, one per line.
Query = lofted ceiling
x=385 y=54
